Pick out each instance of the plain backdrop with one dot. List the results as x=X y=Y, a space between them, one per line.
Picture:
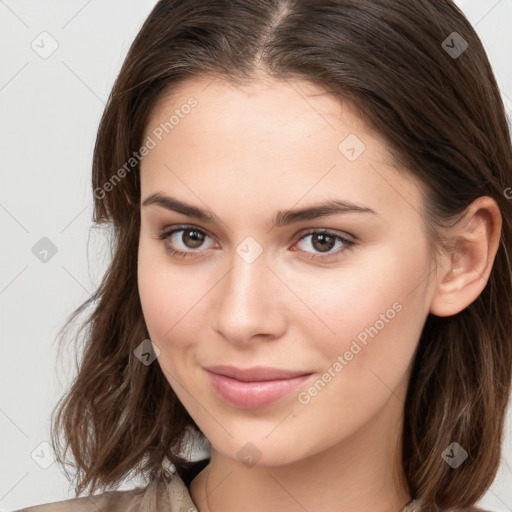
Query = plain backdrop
x=50 y=106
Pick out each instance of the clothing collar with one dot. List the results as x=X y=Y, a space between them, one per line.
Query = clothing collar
x=177 y=488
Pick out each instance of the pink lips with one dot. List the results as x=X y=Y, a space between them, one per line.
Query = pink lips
x=255 y=387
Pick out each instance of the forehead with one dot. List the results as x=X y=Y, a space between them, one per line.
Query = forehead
x=277 y=140
x=273 y=102
x=286 y=121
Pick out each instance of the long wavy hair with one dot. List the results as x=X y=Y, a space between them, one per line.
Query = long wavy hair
x=436 y=104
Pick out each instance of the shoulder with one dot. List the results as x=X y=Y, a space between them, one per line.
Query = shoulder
x=165 y=494
x=112 y=501
x=418 y=506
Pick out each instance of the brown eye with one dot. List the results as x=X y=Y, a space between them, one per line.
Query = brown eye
x=190 y=243
x=192 y=238
x=322 y=243
x=184 y=241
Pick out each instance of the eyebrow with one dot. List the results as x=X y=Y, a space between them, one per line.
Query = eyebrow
x=282 y=217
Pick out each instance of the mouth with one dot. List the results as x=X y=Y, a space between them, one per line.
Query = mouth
x=255 y=387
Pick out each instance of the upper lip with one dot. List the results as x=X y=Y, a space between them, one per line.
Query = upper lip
x=255 y=373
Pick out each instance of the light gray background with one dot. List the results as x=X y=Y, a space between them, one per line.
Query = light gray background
x=49 y=114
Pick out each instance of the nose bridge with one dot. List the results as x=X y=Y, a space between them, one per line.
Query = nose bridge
x=245 y=299
x=246 y=282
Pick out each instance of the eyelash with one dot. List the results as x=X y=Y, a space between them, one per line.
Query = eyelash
x=349 y=244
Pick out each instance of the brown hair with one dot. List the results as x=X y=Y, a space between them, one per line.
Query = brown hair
x=443 y=120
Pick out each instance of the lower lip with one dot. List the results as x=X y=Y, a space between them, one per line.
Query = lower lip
x=253 y=395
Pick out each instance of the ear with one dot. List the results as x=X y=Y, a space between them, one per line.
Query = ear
x=466 y=268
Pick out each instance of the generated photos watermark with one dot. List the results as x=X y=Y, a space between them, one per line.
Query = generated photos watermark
x=149 y=144
x=305 y=397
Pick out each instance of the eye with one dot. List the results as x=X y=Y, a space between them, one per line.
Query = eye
x=192 y=238
x=324 y=241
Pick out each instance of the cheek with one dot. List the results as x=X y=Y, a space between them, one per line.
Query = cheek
x=163 y=298
x=154 y=294
x=174 y=300
x=375 y=311
x=346 y=302
x=167 y=323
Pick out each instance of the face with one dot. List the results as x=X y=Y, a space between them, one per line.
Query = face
x=338 y=297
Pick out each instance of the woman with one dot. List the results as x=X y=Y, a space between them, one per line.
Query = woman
x=311 y=264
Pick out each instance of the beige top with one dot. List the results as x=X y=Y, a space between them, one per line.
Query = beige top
x=168 y=494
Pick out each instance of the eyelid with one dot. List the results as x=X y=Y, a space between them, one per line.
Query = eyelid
x=348 y=239
x=341 y=234
x=167 y=231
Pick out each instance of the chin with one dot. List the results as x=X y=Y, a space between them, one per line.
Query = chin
x=258 y=451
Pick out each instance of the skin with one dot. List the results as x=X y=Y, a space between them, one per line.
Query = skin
x=243 y=153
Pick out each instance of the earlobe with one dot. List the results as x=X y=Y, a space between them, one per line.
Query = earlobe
x=466 y=269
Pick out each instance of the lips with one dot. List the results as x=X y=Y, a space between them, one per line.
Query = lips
x=254 y=387
x=256 y=373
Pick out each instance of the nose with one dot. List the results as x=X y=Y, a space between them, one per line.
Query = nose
x=248 y=303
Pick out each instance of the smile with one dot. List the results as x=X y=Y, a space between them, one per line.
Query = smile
x=253 y=394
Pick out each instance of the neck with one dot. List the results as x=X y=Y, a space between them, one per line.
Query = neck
x=363 y=472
